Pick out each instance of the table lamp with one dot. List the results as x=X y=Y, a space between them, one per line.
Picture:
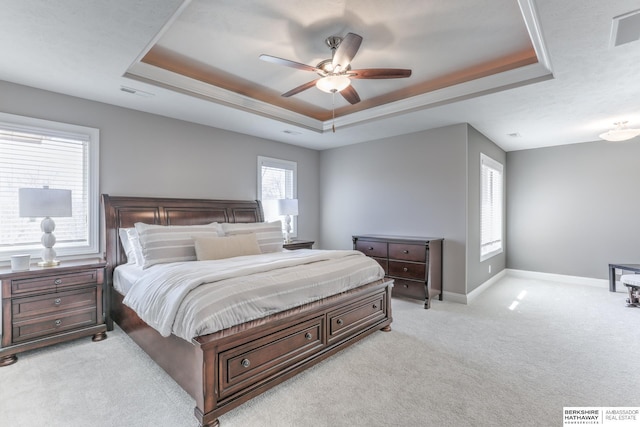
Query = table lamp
x=45 y=202
x=287 y=207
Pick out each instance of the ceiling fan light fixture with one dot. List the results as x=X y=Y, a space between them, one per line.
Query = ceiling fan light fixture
x=620 y=133
x=332 y=84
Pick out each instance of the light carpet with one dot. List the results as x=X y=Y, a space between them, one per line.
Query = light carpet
x=489 y=363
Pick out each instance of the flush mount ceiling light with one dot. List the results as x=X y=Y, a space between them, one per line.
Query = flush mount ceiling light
x=620 y=133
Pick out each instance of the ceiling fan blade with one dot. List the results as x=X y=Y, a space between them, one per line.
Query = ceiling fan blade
x=287 y=63
x=300 y=88
x=379 y=73
x=350 y=94
x=346 y=51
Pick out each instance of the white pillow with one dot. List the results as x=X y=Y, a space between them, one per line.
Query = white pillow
x=209 y=248
x=268 y=234
x=171 y=243
x=134 y=241
x=127 y=246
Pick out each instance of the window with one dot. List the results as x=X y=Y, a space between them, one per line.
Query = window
x=36 y=153
x=277 y=179
x=490 y=207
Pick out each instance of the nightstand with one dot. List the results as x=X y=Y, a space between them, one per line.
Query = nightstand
x=45 y=306
x=299 y=244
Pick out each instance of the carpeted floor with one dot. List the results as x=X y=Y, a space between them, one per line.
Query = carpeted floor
x=484 y=364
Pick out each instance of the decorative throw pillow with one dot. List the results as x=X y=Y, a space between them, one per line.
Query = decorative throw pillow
x=208 y=248
x=268 y=234
x=171 y=243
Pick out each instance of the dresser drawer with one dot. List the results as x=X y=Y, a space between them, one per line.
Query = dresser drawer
x=36 y=327
x=373 y=249
x=359 y=314
x=407 y=270
x=249 y=363
x=53 y=282
x=407 y=252
x=409 y=289
x=53 y=303
x=383 y=263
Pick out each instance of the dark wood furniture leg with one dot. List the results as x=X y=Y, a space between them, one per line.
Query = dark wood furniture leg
x=612 y=278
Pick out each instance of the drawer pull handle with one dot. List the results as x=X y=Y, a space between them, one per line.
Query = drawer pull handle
x=375 y=306
x=405 y=251
x=58 y=281
x=370 y=248
x=308 y=336
x=339 y=322
x=245 y=363
x=405 y=285
x=58 y=322
x=57 y=301
x=405 y=269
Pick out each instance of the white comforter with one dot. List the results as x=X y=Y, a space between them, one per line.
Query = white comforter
x=201 y=297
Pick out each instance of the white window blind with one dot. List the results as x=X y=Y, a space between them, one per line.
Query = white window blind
x=491 y=200
x=277 y=179
x=36 y=153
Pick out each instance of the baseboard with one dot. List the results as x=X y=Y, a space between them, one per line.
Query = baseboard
x=468 y=298
x=562 y=278
x=524 y=274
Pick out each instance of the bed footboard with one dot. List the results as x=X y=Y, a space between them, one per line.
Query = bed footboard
x=240 y=367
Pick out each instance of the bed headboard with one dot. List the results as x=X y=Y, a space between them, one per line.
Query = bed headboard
x=122 y=212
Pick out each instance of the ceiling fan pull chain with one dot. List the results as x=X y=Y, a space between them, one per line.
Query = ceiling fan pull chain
x=333 y=111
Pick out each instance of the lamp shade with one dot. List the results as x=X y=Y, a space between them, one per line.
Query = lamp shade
x=288 y=206
x=43 y=202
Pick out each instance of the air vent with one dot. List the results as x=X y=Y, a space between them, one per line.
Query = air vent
x=625 y=28
x=136 y=91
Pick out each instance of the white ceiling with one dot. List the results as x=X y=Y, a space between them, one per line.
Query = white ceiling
x=578 y=88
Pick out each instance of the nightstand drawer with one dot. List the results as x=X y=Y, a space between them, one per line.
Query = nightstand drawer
x=53 y=303
x=53 y=282
x=36 y=327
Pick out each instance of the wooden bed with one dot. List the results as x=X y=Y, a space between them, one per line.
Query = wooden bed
x=227 y=368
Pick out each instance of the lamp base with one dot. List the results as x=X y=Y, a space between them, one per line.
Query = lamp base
x=53 y=263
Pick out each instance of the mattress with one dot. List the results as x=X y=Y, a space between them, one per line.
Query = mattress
x=189 y=299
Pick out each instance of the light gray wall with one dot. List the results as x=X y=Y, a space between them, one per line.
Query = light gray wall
x=408 y=185
x=573 y=209
x=478 y=272
x=148 y=155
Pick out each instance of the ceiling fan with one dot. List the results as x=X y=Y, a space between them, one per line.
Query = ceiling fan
x=336 y=73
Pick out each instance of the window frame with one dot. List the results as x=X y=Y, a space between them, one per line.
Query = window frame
x=488 y=162
x=92 y=136
x=279 y=164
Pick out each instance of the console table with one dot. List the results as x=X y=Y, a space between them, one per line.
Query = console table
x=612 y=273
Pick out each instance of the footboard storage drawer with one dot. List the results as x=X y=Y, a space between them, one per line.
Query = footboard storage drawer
x=253 y=362
x=358 y=315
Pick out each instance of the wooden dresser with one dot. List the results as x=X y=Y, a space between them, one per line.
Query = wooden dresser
x=44 y=306
x=414 y=263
